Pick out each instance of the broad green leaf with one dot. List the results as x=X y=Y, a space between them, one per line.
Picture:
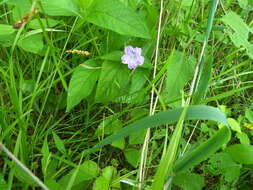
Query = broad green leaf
x=59 y=143
x=167 y=117
x=189 y=181
x=115 y=16
x=82 y=83
x=241 y=153
x=32 y=43
x=243 y=137
x=53 y=185
x=113 y=82
x=249 y=115
x=132 y=156
x=35 y=24
x=60 y=7
x=203 y=151
x=243 y=3
x=119 y=143
x=235 y=126
x=222 y=164
x=108 y=172
x=85 y=4
x=6 y=29
x=109 y=126
x=237 y=24
x=101 y=183
x=87 y=171
x=179 y=72
x=21 y=8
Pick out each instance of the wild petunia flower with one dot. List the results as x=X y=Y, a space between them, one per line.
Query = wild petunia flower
x=132 y=57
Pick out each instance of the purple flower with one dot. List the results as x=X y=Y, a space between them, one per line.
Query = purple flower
x=132 y=57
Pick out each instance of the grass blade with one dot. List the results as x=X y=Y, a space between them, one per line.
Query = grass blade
x=168 y=117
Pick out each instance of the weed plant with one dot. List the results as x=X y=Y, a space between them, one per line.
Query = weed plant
x=126 y=94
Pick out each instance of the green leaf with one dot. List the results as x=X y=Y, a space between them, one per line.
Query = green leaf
x=108 y=172
x=203 y=151
x=87 y=171
x=101 y=183
x=60 y=7
x=205 y=77
x=179 y=72
x=82 y=83
x=243 y=3
x=113 y=82
x=237 y=24
x=35 y=24
x=32 y=43
x=243 y=137
x=222 y=164
x=132 y=156
x=46 y=157
x=241 y=153
x=167 y=117
x=6 y=29
x=189 y=181
x=115 y=16
x=59 y=143
x=249 y=115
x=235 y=126
x=53 y=185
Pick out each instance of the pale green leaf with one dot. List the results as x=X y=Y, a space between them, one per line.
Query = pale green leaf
x=235 y=126
x=6 y=29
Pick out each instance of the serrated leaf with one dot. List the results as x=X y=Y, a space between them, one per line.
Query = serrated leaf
x=115 y=16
